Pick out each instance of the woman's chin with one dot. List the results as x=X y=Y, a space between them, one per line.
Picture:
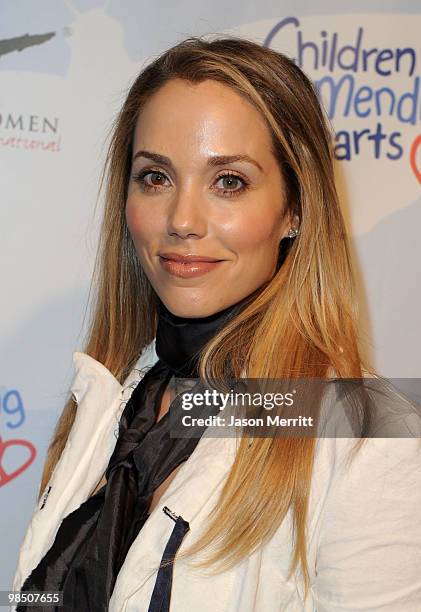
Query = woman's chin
x=191 y=309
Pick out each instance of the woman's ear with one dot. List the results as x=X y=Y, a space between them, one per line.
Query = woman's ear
x=292 y=221
x=295 y=222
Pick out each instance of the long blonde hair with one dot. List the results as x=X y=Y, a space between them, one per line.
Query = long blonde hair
x=301 y=323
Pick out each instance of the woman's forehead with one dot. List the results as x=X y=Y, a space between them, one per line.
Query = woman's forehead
x=201 y=120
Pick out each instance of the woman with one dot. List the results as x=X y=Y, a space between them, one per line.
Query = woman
x=223 y=253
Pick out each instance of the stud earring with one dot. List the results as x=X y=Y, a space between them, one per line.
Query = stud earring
x=292 y=232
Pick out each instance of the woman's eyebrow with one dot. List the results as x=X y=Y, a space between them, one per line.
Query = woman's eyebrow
x=214 y=161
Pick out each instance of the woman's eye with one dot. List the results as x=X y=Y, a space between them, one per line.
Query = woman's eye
x=230 y=185
x=150 y=180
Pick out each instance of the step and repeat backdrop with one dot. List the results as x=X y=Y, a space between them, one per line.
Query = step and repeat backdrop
x=65 y=66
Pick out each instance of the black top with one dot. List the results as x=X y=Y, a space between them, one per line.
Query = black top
x=92 y=542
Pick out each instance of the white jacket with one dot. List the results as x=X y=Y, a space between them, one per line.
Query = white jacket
x=364 y=521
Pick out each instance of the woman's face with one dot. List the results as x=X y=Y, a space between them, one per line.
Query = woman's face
x=204 y=184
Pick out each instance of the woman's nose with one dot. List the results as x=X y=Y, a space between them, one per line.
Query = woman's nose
x=187 y=215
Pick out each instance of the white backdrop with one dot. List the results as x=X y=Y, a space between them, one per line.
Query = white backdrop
x=64 y=70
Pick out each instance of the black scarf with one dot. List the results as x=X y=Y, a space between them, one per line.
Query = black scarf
x=92 y=542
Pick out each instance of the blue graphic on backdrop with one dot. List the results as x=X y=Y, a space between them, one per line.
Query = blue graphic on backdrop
x=346 y=97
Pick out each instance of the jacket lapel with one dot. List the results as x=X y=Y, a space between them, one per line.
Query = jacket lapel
x=101 y=399
x=192 y=495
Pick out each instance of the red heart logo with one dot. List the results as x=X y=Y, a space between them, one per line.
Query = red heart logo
x=4 y=445
x=413 y=157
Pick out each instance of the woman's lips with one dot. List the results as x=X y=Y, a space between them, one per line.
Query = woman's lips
x=187 y=267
